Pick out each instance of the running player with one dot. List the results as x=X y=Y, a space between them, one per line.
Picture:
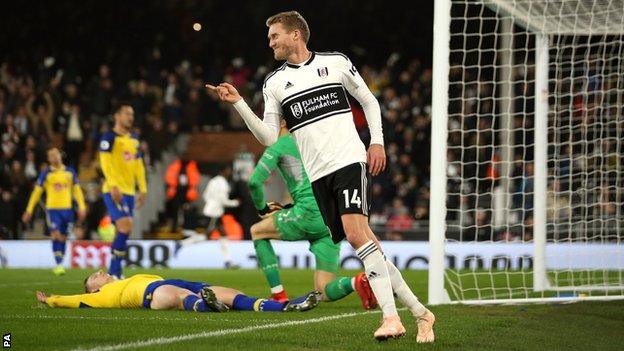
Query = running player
x=309 y=92
x=153 y=292
x=122 y=165
x=60 y=184
x=217 y=198
x=301 y=221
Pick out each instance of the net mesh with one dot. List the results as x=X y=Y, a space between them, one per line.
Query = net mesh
x=491 y=147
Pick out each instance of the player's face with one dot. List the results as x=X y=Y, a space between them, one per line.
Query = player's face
x=125 y=116
x=281 y=41
x=98 y=279
x=54 y=157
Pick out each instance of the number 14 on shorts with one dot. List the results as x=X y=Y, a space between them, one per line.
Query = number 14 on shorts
x=355 y=199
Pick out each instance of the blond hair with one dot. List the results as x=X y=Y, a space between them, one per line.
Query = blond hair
x=291 y=20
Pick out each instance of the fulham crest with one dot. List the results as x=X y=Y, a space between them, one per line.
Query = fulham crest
x=296 y=109
x=322 y=72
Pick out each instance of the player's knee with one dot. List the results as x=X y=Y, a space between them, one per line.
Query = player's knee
x=254 y=231
x=124 y=225
x=257 y=231
x=56 y=235
x=166 y=297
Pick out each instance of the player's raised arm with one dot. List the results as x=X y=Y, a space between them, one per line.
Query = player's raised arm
x=266 y=131
x=262 y=172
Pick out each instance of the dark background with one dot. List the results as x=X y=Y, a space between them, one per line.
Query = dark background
x=84 y=34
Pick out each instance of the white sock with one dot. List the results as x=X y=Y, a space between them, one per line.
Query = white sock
x=378 y=277
x=225 y=248
x=277 y=289
x=188 y=232
x=403 y=292
x=193 y=239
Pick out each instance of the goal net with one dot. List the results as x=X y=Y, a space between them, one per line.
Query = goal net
x=527 y=173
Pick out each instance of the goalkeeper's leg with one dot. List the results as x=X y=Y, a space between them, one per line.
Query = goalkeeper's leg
x=261 y=233
x=327 y=256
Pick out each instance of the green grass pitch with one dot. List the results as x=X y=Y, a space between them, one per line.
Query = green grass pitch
x=340 y=325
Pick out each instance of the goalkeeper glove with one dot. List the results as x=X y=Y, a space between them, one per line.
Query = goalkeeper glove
x=270 y=208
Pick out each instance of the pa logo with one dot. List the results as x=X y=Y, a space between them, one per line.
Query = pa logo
x=6 y=341
x=296 y=110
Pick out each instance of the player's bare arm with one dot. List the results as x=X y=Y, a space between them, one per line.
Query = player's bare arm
x=225 y=91
x=140 y=199
x=376 y=159
x=116 y=194
x=265 y=131
x=41 y=296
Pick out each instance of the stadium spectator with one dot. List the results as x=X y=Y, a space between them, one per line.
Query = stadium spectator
x=9 y=215
x=399 y=222
x=41 y=116
x=100 y=95
x=74 y=135
x=182 y=180
x=141 y=100
x=217 y=197
x=192 y=109
x=157 y=138
x=173 y=95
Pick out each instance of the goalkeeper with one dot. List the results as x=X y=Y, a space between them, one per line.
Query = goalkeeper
x=301 y=221
x=153 y=292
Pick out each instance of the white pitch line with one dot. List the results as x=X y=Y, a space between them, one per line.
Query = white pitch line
x=221 y=332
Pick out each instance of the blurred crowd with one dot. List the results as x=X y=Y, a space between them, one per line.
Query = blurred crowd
x=583 y=187
x=55 y=105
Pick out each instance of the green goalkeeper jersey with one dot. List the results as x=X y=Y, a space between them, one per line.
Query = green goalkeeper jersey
x=284 y=156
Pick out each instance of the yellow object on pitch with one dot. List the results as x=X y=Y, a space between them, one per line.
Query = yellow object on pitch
x=106 y=230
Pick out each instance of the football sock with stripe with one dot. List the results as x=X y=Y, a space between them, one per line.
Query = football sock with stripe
x=403 y=291
x=267 y=260
x=378 y=277
x=195 y=303
x=247 y=303
x=58 y=248
x=118 y=250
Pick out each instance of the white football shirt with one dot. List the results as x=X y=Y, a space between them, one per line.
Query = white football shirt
x=311 y=97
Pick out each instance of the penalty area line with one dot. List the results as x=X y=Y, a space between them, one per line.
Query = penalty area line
x=216 y=333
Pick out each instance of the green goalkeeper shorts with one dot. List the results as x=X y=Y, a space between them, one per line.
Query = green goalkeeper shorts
x=303 y=221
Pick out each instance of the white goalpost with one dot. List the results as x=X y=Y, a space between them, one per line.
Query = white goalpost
x=527 y=160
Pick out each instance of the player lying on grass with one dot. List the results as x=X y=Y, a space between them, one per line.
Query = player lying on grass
x=301 y=221
x=151 y=291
